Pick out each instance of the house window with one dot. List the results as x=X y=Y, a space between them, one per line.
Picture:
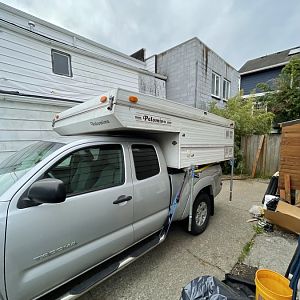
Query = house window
x=215 y=85
x=61 y=63
x=226 y=89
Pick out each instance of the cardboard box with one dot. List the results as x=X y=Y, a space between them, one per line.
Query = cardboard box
x=286 y=216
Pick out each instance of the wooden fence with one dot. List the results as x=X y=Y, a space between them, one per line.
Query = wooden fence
x=261 y=154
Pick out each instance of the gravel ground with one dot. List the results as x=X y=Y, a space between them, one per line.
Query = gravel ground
x=163 y=272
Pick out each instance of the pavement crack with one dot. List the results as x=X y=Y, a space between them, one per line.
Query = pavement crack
x=204 y=261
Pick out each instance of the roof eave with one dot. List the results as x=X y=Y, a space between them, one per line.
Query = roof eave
x=264 y=68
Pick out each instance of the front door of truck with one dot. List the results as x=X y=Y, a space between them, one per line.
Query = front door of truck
x=49 y=244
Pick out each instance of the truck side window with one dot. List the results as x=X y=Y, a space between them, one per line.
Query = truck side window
x=145 y=161
x=90 y=169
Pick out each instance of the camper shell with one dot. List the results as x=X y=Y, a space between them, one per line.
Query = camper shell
x=187 y=136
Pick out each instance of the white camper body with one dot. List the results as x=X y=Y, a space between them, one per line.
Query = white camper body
x=187 y=136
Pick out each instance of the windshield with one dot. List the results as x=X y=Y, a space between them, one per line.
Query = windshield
x=18 y=164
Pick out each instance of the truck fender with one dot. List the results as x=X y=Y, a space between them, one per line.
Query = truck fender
x=202 y=185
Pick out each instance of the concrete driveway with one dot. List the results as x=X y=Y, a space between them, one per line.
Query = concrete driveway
x=163 y=272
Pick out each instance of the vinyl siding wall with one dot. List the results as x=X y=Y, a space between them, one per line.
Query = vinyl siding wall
x=249 y=81
x=24 y=120
x=26 y=67
x=54 y=32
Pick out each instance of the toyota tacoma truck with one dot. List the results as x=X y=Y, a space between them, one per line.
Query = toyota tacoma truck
x=75 y=210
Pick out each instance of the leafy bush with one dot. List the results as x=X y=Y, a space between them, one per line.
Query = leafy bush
x=283 y=94
x=247 y=120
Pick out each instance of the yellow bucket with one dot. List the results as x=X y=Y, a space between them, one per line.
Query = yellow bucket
x=271 y=285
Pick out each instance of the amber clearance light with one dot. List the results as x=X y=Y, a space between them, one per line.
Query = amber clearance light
x=133 y=99
x=103 y=99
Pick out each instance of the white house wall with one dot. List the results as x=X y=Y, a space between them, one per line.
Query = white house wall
x=150 y=63
x=24 y=120
x=152 y=86
x=42 y=27
x=26 y=67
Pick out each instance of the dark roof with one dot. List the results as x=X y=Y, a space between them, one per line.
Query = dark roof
x=264 y=62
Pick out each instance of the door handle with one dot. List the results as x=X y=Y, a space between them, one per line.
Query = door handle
x=122 y=198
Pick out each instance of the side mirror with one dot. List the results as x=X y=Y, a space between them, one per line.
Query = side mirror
x=49 y=190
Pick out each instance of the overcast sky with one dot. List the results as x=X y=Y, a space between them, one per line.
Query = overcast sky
x=238 y=30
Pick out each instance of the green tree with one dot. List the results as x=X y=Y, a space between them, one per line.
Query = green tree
x=283 y=95
x=247 y=119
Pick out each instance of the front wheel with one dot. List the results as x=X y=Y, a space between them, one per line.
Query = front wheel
x=201 y=214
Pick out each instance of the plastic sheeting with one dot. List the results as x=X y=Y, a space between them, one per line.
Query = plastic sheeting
x=208 y=287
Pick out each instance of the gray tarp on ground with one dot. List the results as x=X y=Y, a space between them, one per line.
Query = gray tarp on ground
x=208 y=287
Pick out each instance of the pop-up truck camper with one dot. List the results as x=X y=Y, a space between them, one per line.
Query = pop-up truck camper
x=187 y=136
x=106 y=191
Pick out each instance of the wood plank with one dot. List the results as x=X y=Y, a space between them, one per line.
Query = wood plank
x=292 y=128
x=291 y=141
x=290 y=135
x=282 y=194
x=287 y=187
x=294 y=182
x=290 y=160
x=290 y=152
x=257 y=155
x=297 y=197
x=294 y=174
x=264 y=152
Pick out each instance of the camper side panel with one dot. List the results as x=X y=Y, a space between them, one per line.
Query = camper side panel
x=203 y=143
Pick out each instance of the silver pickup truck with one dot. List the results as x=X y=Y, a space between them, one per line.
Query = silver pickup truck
x=78 y=209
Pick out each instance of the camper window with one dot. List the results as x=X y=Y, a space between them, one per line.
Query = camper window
x=61 y=63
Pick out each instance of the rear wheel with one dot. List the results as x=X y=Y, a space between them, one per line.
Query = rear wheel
x=201 y=214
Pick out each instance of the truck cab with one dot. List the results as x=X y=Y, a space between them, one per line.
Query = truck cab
x=71 y=205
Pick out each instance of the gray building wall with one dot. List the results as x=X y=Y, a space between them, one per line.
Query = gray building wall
x=188 y=68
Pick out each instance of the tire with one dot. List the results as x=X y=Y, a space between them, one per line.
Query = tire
x=201 y=214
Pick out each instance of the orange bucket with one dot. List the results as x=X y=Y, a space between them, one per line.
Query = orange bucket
x=271 y=285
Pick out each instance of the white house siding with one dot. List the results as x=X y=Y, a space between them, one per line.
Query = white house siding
x=152 y=86
x=24 y=120
x=26 y=67
x=57 y=33
x=150 y=63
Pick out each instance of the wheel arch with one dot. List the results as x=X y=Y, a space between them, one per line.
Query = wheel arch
x=202 y=186
x=209 y=191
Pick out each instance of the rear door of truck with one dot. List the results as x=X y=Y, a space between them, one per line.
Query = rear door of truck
x=151 y=188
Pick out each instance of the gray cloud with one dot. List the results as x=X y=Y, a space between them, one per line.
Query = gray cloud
x=237 y=30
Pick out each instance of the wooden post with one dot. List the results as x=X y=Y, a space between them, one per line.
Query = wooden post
x=287 y=187
x=257 y=155
x=264 y=153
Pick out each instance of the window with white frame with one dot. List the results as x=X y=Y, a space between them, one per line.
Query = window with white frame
x=215 y=84
x=61 y=63
x=226 y=89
